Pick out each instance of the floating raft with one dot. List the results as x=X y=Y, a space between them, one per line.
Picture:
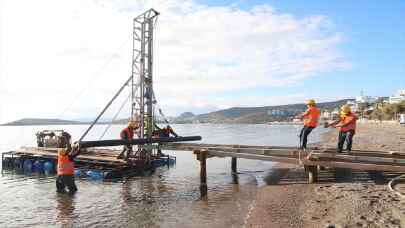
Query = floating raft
x=96 y=163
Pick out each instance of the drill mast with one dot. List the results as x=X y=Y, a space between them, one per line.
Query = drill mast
x=142 y=98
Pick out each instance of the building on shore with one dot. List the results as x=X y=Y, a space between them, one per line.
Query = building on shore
x=398 y=97
x=367 y=99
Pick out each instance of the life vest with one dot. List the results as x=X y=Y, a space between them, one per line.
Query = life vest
x=65 y=165
x=350 y=120
x=128 y=132
x=311 y=117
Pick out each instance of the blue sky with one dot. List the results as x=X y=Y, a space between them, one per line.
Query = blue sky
x=374 y=33
x=209 y=55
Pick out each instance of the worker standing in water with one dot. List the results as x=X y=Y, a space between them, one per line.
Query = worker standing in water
x=347 y=128
x=310 y=117
x=128 y=134
x=65 y=178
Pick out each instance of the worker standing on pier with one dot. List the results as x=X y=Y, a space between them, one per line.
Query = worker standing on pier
x=66 y=169
x=310 y=117
x=347 y=128
x=128 y=134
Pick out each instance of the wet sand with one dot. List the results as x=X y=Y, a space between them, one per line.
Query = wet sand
x=341 y=198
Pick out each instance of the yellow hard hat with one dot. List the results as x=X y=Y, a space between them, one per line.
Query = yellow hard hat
x=62 y=151
x=133 y=124
x=345 y=109
x=311 y=102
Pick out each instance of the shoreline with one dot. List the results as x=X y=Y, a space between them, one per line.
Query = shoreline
x=341 y=198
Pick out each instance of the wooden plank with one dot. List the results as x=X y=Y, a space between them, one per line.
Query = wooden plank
x=197 y=145
x=98 y=151
x=180 y=146
x=369 y=153
x=275 y=152
x=253 y=156
x=349 y=157
x=356 y=166
x=53 y=154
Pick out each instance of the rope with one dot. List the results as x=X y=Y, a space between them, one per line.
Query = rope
x=154 y=70
x=115 y=117
x=390 y=184
x=160 y=110
x=122 y=106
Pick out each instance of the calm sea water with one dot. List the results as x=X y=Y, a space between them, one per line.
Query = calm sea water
x=170 y=197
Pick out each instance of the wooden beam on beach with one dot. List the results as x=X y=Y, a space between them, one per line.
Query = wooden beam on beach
x=356 y=166
x=350 y=157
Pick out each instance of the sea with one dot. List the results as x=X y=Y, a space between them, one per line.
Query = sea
x=168 y=197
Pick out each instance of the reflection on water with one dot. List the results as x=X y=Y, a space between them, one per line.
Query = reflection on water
x=170 y=197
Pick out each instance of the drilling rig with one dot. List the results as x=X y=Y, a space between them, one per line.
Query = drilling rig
x=143 y=100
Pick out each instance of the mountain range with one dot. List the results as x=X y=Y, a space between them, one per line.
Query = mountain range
x=246 y=115
x=254 y=115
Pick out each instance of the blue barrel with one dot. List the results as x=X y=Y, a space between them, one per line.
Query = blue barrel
x=39 y=166
x=18 y=163
x=78 y=173
x=95 y=174
x=8 y=162
x=172 y=161
x=49 y=167
x=27 y=165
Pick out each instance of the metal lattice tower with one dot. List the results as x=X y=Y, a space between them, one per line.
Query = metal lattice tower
x=142 y=69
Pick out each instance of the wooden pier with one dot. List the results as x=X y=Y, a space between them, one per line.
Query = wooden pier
x=311 y=159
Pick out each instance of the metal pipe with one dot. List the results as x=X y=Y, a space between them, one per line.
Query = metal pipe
x=119 y=142
x=105 y=108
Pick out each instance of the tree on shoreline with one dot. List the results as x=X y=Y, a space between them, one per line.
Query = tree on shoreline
x=385 y=111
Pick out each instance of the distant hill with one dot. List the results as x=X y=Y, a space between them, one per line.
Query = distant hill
x=35 y=121
x=251 y=115
x=256 y=114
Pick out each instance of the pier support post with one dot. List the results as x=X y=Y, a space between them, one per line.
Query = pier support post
x=202 y=157
x=312 y=173
x=234 y=165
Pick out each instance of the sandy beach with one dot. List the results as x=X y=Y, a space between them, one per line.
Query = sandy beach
x=341 y=198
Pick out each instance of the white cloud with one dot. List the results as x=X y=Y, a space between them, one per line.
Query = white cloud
x=51 y=49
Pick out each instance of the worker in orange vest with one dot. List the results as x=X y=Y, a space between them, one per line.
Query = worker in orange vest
x=310 y=117
x=66 y=169
x=347 y=128
x=128 y=134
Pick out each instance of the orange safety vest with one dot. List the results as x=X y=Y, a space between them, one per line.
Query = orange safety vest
x=65 y=165
x=311 y=116
x=350 y=120
x=128 y=132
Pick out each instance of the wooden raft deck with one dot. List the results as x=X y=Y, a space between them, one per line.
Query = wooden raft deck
x=311 y=159
x=93 y=156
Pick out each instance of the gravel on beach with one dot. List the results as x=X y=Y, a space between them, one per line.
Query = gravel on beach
x=342 y=197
